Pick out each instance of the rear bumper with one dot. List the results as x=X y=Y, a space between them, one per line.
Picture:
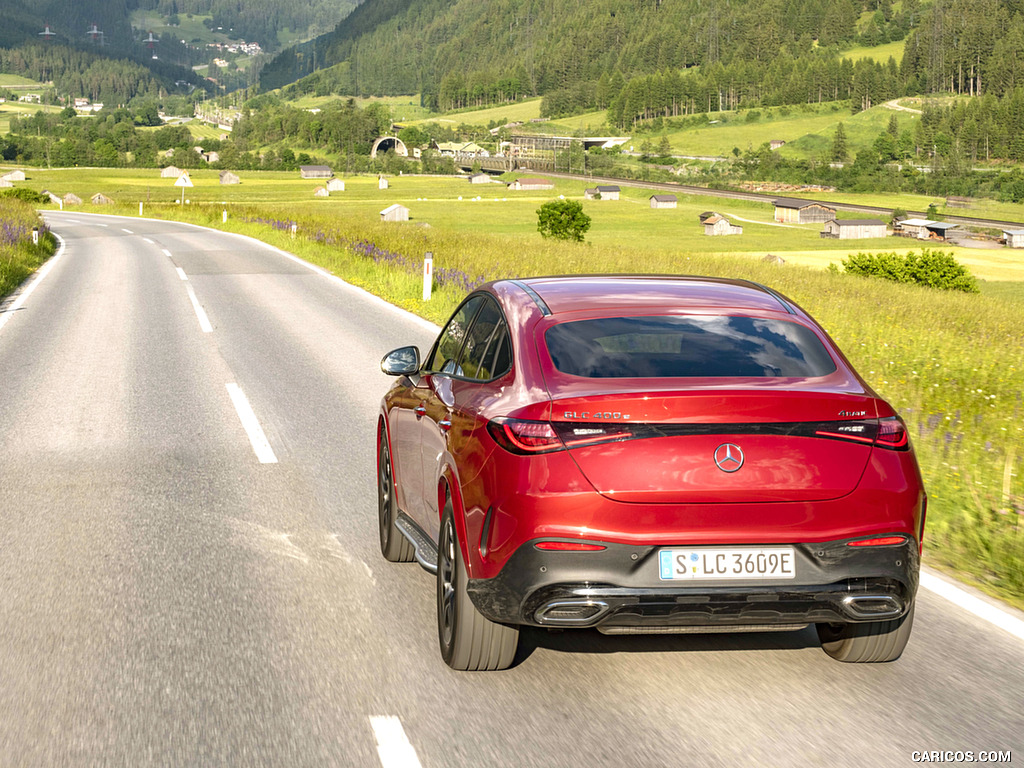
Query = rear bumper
x=619 y=588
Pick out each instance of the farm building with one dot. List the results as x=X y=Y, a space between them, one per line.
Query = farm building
x=1014 y=237
x=854 y=229
x=100 y=199
x=601 y=192
x=72 y=199
x=707 y=215
x=531 y=183
x=53 y=198
x=719 y=225
x=315 y=171
x=211 y=157
x=15 y=176
x=480 y=178
x=382 y=183
x=923 y=229
x=663 y=201
x=335 y=185
x=802 y=211
x=321 y=192
x=395 y=212
x=227 y=177
x=5 y=184
x=170 y=172
x=776 y=144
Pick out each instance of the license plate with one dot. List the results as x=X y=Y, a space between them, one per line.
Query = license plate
x=727 y=563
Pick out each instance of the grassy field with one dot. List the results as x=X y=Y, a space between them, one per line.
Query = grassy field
x=879 y=53
x=953 y=364
x=191 y=30
x=18 y=109
x=16 y=83
x=522 y=111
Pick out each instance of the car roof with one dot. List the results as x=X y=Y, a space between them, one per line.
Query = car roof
x=598 y=292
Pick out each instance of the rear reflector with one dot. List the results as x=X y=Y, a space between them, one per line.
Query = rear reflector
x=881 y=541
x=568 y=546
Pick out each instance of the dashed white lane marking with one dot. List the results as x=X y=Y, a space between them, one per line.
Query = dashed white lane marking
x=101 y=225
x=74 y=221
x=44 y=270
x=259 y=441
x=181 y=273
x=166 y=252
x=971 y=604
x=127 y=230
x=149 y=241
x=204 y=321
x=393 y=745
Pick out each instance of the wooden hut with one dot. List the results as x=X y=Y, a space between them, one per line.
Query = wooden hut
x=336 y=185
x=5 y=184
x=321 y=192
x=170 y=172
x=395 y=212
x=382 y=183
x=227 y=177
x=664 y=201
x=719 y=225
x=531 y=183
x=14 y=176
x=854 y=229
x=1014 y=238
x=72 y=199
x=100 y=199
x=480 y=178
x=315 y=171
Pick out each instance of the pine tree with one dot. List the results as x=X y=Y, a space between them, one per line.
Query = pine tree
x=839 y=149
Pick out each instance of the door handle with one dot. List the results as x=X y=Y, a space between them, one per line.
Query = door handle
x=445 y=424
x=420 y=411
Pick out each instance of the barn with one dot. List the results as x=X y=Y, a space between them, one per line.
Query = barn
x=227 y=177
x=170 y=172
x=315 y=171
x=395 y=212
x=854 y=229
x=72 y=199
x=924 y=229
x=336 y=185
x=14 y=176
x=480 y=178
x=321 y=192
x=802 y=211
x=100 y=199
x=663 y=201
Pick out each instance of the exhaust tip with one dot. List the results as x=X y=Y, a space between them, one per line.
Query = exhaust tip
x=570 y=612
x=872 y=606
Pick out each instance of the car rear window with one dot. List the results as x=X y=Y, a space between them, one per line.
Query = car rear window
x=691 y=346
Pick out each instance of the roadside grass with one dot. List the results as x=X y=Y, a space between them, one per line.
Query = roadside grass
x=952 y=364
x=19 y=258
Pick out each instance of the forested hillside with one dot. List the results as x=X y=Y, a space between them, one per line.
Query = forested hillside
x=645 y=57
x=260 y=20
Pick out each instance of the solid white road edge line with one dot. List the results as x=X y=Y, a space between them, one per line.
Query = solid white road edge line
x=43 y=271
x=181 y=273
x=393 y=745
x=964 y=599
x=260 y=444
x=204 y=321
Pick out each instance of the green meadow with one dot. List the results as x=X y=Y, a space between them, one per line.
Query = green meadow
x=879 y=53
x=952 y=364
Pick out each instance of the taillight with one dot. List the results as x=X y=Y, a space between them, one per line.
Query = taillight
x=525 y=437
x=568 y=546
x=878 y=541
x=892 y=433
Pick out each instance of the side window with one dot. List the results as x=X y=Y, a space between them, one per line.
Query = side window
x=485 y=329
x=497 y=358
x=444 y=357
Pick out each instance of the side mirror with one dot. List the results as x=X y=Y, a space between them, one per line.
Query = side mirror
x=404 y=361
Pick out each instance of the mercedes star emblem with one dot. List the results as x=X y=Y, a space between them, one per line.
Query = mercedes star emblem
x=728 y=457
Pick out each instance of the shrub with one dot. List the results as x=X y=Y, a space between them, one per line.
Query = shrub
x=26 y=194
x=936 y=269
x=563 y=220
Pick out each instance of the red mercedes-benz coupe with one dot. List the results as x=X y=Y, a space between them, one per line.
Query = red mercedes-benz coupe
x=647 y=455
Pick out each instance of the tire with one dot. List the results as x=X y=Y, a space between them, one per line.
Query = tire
x=468 y=640
x=869 y=643
x=393 y=545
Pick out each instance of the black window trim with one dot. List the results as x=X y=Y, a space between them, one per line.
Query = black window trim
x=469 y=329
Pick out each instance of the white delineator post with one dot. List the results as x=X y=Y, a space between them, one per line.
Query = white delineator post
x=224 y=216
x=295 y=228
x=140 y=208
x=428 y=275
x=35 y=235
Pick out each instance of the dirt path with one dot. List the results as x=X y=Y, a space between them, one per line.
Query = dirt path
x=895 y=104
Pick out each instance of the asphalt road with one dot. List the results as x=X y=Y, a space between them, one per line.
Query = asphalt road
x=167 y=597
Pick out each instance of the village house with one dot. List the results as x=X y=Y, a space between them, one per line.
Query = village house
x=315 y=171
x=802 y=211
x=663 y=201
x=854 y=229
x=395 y=212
